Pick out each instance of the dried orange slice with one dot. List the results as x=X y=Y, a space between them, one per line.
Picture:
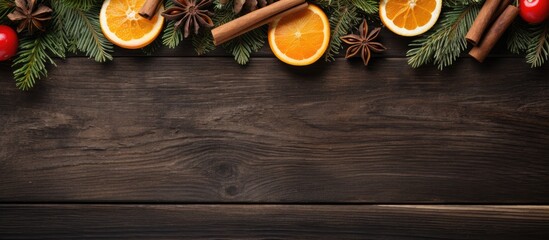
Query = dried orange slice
x=123 y=26
x=302 y=38
x=409 y=17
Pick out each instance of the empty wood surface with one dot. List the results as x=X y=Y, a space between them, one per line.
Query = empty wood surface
x=273 y=222
x=171 y=146
x=159 y=129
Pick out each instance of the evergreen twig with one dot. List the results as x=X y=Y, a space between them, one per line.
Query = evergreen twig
x=519 y=36
x=171 y=36
x=243 y=46
x=538 y=49
x=443 y=44
x=368 y=6
x=6 y=6
x=457 y=3
x=33 y=54
x=152 y=47
x=203 y=43
x=80 y=25
x=342 y=20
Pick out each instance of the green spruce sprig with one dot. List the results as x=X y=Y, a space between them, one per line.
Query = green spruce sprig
x=74 y=28
x=34 y=53
x=367 y=6
x=171 y=36
x=203 y=43
x=150 y=49
x=79 y=23
x=538 y=48
x=443 y=44
x=519 y=37
x=344 y=16
x=341 y=21
x=532 y=40
x=455 y=3
x=243 y=46
x=6 y=6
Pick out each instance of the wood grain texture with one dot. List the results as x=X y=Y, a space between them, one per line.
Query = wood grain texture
x=160 y=130
x=272 y=222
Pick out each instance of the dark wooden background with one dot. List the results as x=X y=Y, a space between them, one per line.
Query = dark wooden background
x=174 y=145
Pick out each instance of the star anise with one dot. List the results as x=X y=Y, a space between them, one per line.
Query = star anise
x=29 y=15
x=248 y=5
x=189 y=13
x=363 y=43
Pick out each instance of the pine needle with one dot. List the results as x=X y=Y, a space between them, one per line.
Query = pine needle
x=519 y=36
x=171 y=36
x=342 y=20
x=84 y=5
x=243 y=46
x=457 y=3
x=152 y=47
x=6 y=6
x=538 y=49
x=33 y=54
x=203 y=43
x=444 y=43
x=368 y=6
x=81 y=25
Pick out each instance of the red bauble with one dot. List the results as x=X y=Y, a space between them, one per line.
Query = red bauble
x=8 y=43
x=534 y=11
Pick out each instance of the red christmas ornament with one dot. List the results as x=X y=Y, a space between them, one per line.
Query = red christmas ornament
x=534 y=11
x=8 y=43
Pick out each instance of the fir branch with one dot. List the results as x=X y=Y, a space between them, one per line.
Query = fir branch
x=223 y=13
x=81 y=26
x=34 y=52
x=203 y=43
x=457 y=3
x=326 y=4
x=242 y=46
x=343 y=19
x=6 y=6
x=443 y=44
x=519 y=36
x=368 y=6
x=84 y=5
x=538 y=49
x=171 y=37
x=152 y=47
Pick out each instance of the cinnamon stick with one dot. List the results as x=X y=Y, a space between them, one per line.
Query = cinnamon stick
x=485 y=15
x=502 y=6
x=494 y=33
x=255 y=19
x=148 y=10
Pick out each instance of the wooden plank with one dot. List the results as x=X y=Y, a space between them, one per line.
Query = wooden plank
x=206 y=130
x=272 y=222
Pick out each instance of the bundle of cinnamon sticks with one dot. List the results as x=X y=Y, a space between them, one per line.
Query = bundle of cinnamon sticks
x=494 y=18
